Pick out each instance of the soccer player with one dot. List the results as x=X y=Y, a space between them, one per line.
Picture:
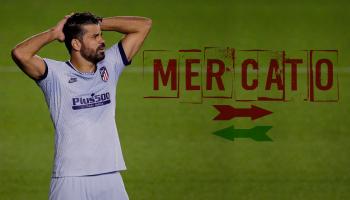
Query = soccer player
x=81 y=96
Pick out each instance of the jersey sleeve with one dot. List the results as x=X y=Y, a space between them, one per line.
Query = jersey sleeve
x=117 y=59
x=48 y=79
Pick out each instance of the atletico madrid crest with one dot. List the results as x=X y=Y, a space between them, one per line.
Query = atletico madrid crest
x=104 y=74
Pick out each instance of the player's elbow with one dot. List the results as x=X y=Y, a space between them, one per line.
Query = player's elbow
x=147 y=24
x=17 y=55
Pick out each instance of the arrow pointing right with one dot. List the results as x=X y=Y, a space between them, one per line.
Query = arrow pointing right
x=228 y=112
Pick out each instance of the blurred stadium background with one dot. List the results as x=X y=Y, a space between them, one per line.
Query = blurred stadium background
x=168 y=146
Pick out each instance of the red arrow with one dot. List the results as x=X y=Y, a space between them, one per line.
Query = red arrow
x=228 y=112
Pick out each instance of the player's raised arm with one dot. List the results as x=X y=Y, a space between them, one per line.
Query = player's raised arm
x=24 y=54
x=135 y=29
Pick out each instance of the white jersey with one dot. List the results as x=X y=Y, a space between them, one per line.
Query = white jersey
x=82 y=108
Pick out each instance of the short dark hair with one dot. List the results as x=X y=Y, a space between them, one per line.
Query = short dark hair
x=73 y=29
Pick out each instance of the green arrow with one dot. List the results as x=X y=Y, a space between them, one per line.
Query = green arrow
x=258 y=133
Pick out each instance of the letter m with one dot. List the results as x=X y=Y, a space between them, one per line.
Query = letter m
x=158 y=71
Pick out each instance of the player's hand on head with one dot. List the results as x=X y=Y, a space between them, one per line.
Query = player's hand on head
x=58 y=29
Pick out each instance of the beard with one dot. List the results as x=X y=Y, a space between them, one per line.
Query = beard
x=93 y=55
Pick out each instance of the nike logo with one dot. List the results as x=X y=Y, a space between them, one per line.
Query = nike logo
x=72 y=80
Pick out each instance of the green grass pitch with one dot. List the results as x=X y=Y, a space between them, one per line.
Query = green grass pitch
x=169 y=148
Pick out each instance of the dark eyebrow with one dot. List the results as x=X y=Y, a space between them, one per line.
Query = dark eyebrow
x=97 y=34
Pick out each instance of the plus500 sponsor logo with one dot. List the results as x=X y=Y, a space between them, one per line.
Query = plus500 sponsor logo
x=89 y=102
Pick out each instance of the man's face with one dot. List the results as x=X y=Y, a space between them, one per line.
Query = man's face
x=93 y=45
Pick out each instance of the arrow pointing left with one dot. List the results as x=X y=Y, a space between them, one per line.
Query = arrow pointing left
x=257 y=133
